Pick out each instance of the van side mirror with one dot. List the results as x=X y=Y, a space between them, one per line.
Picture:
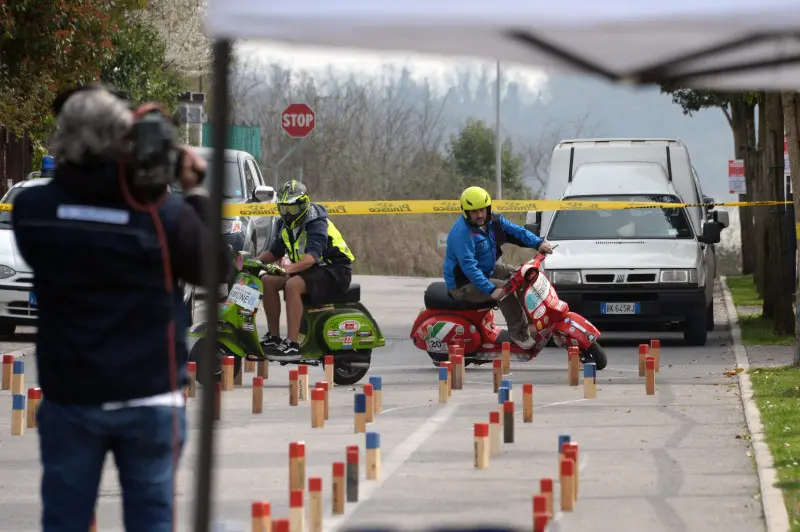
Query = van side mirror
x=264 y=193
x=533 y=228
x=711 y=233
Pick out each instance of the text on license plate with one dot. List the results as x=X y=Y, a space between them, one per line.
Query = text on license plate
x=619 y=308
x=244 y=296
x=32 y=299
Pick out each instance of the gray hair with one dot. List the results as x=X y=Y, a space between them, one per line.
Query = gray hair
x=92 y=123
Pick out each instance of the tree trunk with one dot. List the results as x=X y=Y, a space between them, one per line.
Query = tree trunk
x=759 y=194
x=777 y=285
x=791 y=115
x=743 y=126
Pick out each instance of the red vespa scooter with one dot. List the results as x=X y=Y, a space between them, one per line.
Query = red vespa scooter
x=445 y=321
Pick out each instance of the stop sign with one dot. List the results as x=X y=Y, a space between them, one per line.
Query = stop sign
x=298 y=120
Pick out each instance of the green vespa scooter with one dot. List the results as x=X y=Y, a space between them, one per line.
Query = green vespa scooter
x=343 y=328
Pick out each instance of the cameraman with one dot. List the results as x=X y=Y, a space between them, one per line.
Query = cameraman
x=110 y=350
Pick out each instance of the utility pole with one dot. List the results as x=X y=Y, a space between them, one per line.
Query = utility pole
x=498 y=144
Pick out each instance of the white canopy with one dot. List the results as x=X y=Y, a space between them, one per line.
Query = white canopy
x=703 y=43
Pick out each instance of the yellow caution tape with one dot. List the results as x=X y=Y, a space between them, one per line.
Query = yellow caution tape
x=452 y=207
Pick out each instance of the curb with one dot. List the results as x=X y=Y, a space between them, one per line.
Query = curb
x=28 y=351
x=773 y=505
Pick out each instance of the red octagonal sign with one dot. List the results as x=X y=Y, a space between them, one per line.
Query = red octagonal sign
x=298 y=120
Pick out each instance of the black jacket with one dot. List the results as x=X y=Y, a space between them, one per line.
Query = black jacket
x=103 y=309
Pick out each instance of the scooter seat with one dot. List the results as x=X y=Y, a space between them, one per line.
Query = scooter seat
x=437 y=296
x=353 y=295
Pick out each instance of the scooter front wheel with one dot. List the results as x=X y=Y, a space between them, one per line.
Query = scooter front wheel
x=595 y=353
x=199 y=355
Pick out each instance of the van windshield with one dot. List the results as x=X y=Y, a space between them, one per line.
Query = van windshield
x=661 y=223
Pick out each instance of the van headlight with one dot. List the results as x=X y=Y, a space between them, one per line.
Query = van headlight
x=564 y=276
x=6 y=271
x=678 y=276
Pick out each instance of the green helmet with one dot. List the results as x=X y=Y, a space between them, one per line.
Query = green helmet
x=293 y=203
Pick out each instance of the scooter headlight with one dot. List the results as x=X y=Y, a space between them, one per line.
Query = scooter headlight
x=564 y=276
x=678 y=276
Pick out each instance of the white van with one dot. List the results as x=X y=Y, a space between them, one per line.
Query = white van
x=632 y=266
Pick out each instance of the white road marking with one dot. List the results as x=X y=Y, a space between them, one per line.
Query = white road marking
x=397 y=458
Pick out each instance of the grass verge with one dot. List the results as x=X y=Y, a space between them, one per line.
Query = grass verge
x=756 y=330
x=777 y=395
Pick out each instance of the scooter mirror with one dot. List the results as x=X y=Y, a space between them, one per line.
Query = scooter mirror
x=239 y=261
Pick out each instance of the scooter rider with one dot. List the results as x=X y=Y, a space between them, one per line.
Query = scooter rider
x=321 y=265
x=472 y=268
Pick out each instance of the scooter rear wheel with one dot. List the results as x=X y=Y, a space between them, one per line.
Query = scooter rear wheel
x=595 y=354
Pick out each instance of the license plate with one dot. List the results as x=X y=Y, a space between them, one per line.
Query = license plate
x=244 y=296
x=620 y=308
x=32 y=299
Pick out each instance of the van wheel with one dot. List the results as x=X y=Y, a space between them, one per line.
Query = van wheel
x=695 y=330
x=710 y=317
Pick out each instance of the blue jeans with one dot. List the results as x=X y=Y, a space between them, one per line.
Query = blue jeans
x=74 y=441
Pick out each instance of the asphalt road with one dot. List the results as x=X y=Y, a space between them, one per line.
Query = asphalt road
x=676 y=461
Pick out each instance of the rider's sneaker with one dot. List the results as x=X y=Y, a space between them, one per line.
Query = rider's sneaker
x=289 y=350
x=525 y=342
x=271 y=342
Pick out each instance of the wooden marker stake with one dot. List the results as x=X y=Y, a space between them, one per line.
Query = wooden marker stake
x=506 y=383
x=502 y=397
x=297 y=465
x=655 y=350
x=377 y=388
x=481 y=445
x=34 y=399
x=281 y=525
x=650 y=377
x=227 y=373
x=260 y=516
x=329 y=363
x=237 y=377
x=573 y=364
x=508 y=422
x=571 y=452
x=302 y=382
x=191 y=388
x=17 y=414
x=18 y=377
x=360 y=413
x=527 y=403
x=546 y=489
x=494 y=433
x=293 y=388
x=217 y=401
x=297 y=514
x=452 y=349
x=337 y=493
x=93 y=524
x=497 y=374
x=258 y=395
x=589 y=380
x=506 y=353
x=249 y=366
x=317 y=408
x=352 y=473
x=539 y=512
x=315 y=504
x=567 y=485
x=368 y=391
x=458 y=371
x=324 y=386
x=8 y=368
x=463 y=363
x=263 y=369
x=442 y=385
x=449 y=367
x=563 y=439
x=643 y=353
x=373 y=455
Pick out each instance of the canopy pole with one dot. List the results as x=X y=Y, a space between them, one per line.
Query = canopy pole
x=205 y=458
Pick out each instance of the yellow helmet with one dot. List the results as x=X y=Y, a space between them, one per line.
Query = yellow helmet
x=475 y=198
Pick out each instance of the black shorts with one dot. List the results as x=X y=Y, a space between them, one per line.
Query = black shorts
x=326 y=282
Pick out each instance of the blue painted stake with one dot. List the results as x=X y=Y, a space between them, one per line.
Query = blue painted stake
x=377 y=383
x=374 y=455
x=373 y=440
x=562 y=439
x=19 y=367
x=506 y=383
x=443 y=374
x=590 y=371
x=360 y=403
x=18 y=401
x=502 y=395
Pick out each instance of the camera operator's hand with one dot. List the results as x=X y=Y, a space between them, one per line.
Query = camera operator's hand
x=192 y=168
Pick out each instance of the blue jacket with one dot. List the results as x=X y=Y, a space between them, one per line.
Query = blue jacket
x=472 y=253
x=103 y=310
